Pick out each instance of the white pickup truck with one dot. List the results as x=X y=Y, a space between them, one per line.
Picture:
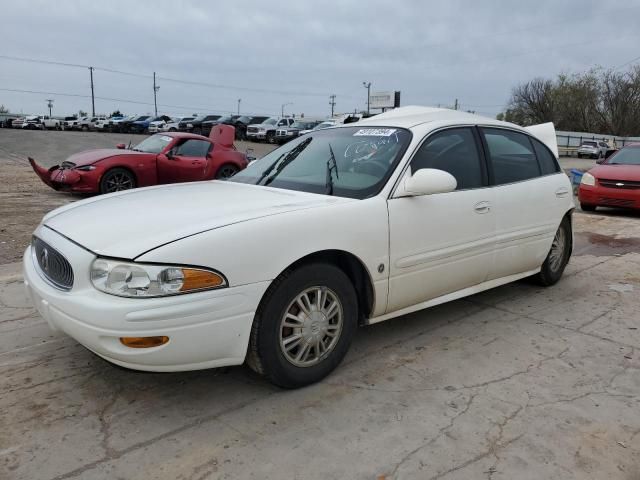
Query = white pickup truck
x=42 y=122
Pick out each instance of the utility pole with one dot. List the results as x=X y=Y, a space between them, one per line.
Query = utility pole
x=93 y=100
x=155 y=92
x=455 y=106
x=239 y=100
x=368 y=87
x=332 y=102
x=282 y=108
x=50 y=105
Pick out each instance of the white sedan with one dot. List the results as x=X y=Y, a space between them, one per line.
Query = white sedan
x=279 y=265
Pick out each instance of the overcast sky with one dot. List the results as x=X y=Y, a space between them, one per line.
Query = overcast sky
x=270 y=53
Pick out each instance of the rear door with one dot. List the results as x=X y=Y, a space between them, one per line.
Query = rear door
x=188 y=163
x=531 y=197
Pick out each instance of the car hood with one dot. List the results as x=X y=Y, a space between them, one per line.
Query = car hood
x=617 y=172
x=128 y=224
x=92 y=156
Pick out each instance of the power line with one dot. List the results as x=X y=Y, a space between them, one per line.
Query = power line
x=123 y=100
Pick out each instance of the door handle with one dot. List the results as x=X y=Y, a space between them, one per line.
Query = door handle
x=482 y=207
x=562 y=192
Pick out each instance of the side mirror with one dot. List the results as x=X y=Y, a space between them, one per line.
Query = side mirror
x=170 y=154
x=121 y=146
x=427 y=181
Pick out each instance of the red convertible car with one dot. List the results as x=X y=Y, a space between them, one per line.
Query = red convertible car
x=613 y=183
x=161 y=158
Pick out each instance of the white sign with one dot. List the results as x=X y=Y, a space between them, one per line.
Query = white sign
x=375 y=132
x=382 y=99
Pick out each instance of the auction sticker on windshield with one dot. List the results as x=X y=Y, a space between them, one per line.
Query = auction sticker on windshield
x=164 y=138
x=375 y=132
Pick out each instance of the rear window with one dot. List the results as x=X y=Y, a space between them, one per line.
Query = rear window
x=511 y=155
x=589 y=144
x=547 y=160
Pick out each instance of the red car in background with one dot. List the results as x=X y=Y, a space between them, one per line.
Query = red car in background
x=162 y=158
x=613 y=183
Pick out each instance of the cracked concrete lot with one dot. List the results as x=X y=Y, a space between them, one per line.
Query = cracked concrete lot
x=519 y=382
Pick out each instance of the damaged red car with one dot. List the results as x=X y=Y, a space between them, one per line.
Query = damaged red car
x=162 y=158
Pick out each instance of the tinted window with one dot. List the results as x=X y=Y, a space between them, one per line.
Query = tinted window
x=453 y=151
x=511 y=156
x=193 y=148
x=546 y=159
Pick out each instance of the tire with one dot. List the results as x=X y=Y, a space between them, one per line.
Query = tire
x=579 y=155
x=85 y=128
x=588 y=208
x=558 y=257
x=271 y=138
x=266 y=353
x=117 y=180
x=226 y=171
x=172 y=129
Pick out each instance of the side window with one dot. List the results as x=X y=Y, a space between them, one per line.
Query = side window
x=511 y=156
x=193 y=148
x=453 y=151
x=281 y=123
x=547 y=161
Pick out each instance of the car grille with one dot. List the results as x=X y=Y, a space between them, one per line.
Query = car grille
x=625 y=184
x=52 y=265
x=281 y=133
x=252 y=129
x=616 y=202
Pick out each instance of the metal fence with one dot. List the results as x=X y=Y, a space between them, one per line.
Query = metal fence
x=569 y=142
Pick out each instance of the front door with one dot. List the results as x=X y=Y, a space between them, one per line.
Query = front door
x=188 y=162
x=443 y=242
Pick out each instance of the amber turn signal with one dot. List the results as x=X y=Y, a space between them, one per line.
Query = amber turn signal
x=143 y=342
x=200 y=279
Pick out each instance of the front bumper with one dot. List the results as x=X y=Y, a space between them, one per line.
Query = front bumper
x=598 y=195
x=66 y=180
x=205 y=330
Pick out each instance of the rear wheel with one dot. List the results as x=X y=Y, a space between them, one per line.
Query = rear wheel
x=226 y=171
x=579 y=155
x=558 y=257
x=116 y=180
x=304 y=325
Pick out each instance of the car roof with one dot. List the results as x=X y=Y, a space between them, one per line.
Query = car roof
x=411 y=116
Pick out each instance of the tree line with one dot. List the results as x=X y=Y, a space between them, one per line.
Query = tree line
x=598 y=101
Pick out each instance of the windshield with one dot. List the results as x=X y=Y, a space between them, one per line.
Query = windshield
x=258 y=119
x=350 y=162
x=270 y=121
x=244 y=119
x=153 y=144
x=225 y=119
x=626 y=156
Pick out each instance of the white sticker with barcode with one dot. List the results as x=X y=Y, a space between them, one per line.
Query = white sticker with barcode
x=375 y=132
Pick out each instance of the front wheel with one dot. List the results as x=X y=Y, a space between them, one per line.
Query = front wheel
x=271 y=138
x=558 y=257
x=304 y=325
x=116 y=180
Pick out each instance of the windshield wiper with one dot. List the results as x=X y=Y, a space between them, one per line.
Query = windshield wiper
x=331 y=166
x=286 y=160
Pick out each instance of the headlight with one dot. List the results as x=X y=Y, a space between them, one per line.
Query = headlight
x=86 y=168
x=140 y=280
x=588 y=179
